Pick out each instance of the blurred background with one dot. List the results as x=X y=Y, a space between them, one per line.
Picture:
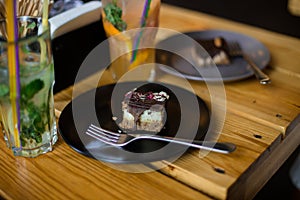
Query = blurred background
x=273 y=15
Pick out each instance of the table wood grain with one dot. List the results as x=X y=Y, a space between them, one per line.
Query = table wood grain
x=262 y=120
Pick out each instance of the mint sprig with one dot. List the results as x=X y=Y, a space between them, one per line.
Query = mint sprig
x=29 y=90
x=29 y=111
x=33 y=118
x=114 y=16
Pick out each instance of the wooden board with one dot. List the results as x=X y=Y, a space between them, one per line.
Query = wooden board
x=260 y=120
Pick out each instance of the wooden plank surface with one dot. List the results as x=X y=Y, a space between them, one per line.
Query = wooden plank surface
x=251 y=98
x=65 y=174
x=216 y=175
x=257 y=121
x=275 y=106
x=257 y=116
x=220 y=175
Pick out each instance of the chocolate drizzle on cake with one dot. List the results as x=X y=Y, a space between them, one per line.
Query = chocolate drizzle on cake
x=145 y=100
x=144 y=108
x=139 y=102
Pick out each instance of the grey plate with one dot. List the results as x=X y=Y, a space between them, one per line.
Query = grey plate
x=238 y=68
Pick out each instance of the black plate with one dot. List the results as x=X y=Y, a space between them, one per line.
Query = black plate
x=182 y=120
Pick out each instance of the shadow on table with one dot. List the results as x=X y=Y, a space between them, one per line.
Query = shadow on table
x=280 y=185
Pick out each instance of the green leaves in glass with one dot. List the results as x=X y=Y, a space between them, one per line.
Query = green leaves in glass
x=33 y=122
x=28 y=91
x=114 y=16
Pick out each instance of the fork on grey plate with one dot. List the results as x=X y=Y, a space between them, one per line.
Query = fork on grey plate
x=122 y=139
x=236 y=50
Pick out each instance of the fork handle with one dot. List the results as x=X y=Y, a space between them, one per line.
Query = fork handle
x=260 y=75
x=220 y=147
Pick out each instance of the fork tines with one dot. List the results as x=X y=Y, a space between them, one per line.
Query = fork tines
x=102 y=134
x=235 y=49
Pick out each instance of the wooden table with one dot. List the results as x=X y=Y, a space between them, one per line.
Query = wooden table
x=262 y=120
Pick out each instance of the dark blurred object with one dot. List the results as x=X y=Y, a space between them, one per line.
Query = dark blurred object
x=69 y=51
x=60 y=6
x=268 y=14
x=280 y=185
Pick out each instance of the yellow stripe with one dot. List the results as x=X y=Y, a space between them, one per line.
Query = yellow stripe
x=45 y=14
x=12 y=58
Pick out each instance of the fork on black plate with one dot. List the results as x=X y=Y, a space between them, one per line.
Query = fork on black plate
x=122 y=139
